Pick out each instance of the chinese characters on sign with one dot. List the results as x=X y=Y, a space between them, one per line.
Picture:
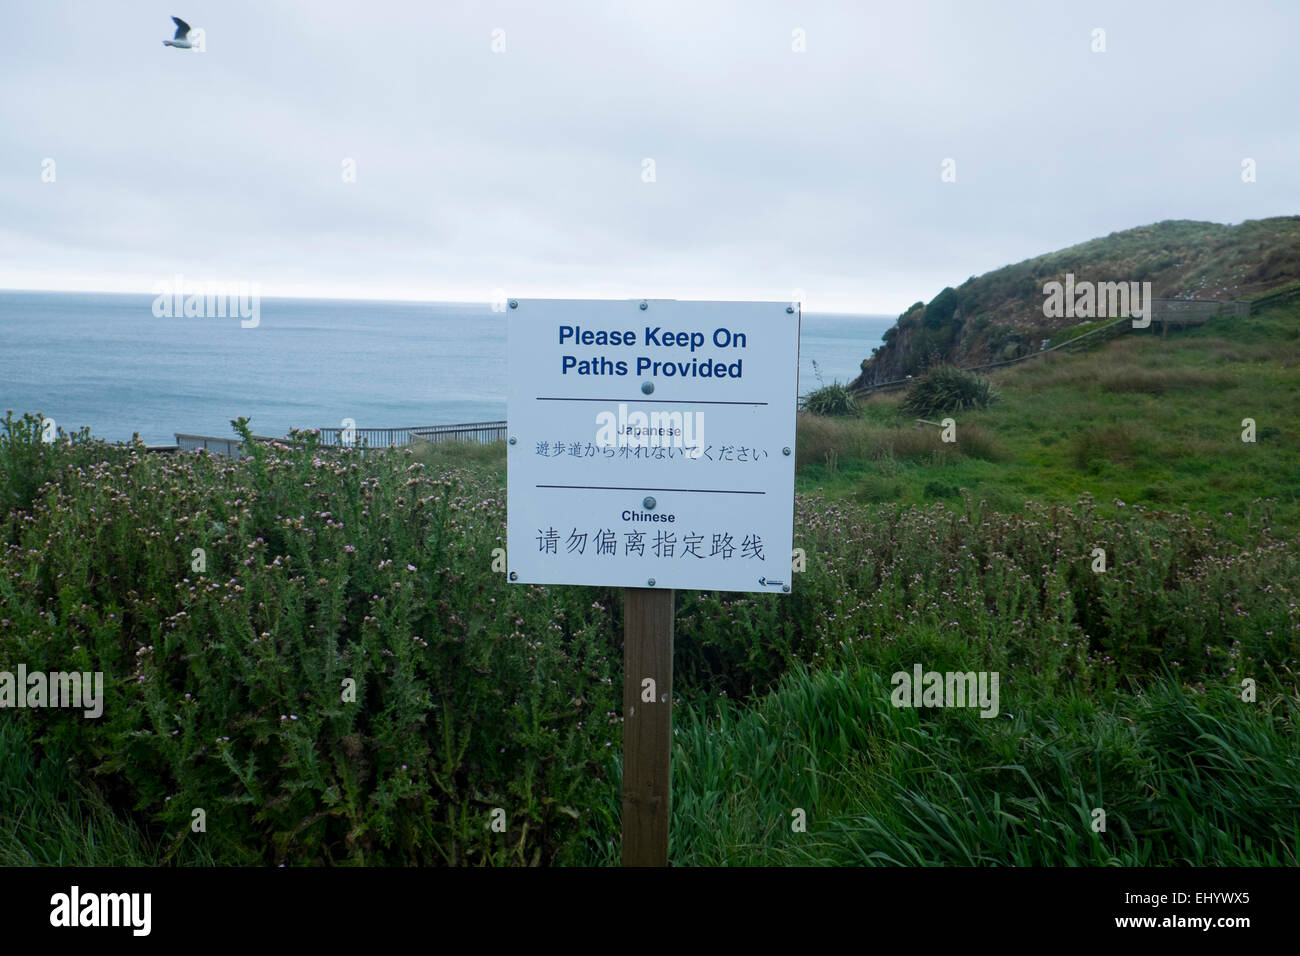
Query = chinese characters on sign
x=605 y=541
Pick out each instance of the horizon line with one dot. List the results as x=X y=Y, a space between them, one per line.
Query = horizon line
x=455 y=301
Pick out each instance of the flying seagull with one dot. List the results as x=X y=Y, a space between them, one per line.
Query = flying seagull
x=182 y=38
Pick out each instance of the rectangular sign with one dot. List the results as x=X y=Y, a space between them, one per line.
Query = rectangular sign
x=652 y=443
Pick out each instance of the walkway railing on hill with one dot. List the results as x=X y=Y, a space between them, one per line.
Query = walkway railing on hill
x=1092 y=335
x=477 y=432
x=1165 y=313
x=480 y=432
x=218 y=446
x=1285 y=293
x=1196 y=311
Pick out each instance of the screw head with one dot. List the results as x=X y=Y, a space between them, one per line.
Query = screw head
x=649 y=503
x=789 y=310
x=785 y=450
x=514 y=440
x=647 y=388
x=650 y=583
x=644 y=305
x=514 y=575
x=785 y=588
x=514 y=303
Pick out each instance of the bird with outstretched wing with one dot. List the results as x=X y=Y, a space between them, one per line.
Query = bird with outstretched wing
x=182 y=38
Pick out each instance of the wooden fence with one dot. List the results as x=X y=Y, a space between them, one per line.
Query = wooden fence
x=1177 y=312
x=1285 y=293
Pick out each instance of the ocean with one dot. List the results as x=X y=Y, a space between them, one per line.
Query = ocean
x=105 y=361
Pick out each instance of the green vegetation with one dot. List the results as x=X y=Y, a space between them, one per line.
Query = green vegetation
x=947 y=389
x=1190 y=780
x=226 y=687
x=834 y=399
x=831 y=400
x=50 y=819
x=1139 y=420
x=1075 y=331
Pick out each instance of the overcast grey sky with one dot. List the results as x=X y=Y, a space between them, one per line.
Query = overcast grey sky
x=522 y=170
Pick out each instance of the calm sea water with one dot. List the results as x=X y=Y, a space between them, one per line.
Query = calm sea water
x=105 y=361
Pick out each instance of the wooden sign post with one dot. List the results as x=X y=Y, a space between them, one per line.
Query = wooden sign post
x=651 y=447
x=647 y=725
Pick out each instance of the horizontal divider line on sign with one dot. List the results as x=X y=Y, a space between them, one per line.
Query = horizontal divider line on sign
x=651 y=401
x=703 y=491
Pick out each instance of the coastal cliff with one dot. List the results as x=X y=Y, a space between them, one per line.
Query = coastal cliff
x=1000 y=315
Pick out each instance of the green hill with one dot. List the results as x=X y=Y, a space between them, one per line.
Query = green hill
x=1150 y=422
x=999 y=315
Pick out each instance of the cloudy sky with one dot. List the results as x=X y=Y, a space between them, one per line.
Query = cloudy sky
x=526 y=168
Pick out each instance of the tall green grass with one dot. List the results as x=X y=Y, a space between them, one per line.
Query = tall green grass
x=48 y=818
x=1183 y=779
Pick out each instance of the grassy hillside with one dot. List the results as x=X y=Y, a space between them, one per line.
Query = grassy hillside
x=999 y=315
x=1150 y=422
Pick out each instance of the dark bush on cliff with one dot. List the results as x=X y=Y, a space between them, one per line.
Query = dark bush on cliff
x=948 y=389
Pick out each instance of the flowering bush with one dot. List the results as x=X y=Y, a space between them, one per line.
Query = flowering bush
x=344 y=680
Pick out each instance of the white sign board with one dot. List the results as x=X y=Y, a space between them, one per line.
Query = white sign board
x=652 y=443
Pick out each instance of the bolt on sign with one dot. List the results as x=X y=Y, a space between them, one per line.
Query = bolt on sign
x=651 y=443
